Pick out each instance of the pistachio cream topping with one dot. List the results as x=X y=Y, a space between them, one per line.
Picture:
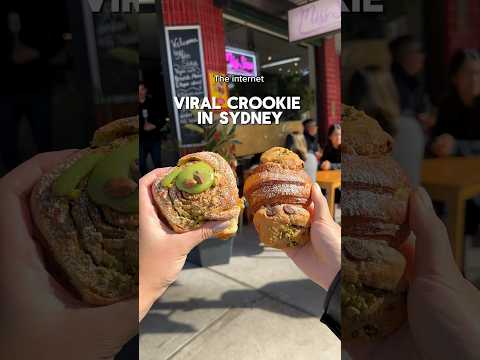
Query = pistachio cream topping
x=193 y=178
x=111 y=184
x=170 y=178
x=67 y=183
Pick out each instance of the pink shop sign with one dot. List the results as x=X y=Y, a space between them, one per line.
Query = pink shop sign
x=315 y=19
x=241 y=62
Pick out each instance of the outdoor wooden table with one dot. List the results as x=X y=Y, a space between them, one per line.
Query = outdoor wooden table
x=453 y=180
x=330 y=180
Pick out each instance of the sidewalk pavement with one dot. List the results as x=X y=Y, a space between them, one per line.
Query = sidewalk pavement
x=260 y=306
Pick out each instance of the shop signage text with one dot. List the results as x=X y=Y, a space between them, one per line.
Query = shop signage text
x=187 y=75
x=362 y=6
x=315 y=19
x=116 y=6
x=241 y=62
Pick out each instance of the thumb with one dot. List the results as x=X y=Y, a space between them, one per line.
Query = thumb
x=209 y=230
x=109 y=327
x=321 y=211
x=433 y=254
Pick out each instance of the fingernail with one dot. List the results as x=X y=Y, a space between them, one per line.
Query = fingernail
x=425 y=198
x=317 y=187
x=221 y=226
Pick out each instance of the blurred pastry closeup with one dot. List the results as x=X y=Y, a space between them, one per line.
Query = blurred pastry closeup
x=375 y=194
x=86 y=211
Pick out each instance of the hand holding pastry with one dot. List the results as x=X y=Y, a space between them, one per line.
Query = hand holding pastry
x=163 y=252
x=444 y=145
x=201 y=188
x=320 y=258
x=375 y=194
x=443 y=311
x=86 y=210
x=41 y=317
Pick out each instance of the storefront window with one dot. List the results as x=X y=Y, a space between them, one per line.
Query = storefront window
x=285 y=66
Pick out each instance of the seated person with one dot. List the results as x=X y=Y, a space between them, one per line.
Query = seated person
x=332 y=155
x=373 y=90
x=458 y=130
x=306 y=146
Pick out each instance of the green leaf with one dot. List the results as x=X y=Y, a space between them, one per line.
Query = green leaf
x=196 y=128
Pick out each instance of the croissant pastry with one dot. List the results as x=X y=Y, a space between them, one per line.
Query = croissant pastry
x=278 y=193
x=201 y=188
x=86 y=211
x=375 y=194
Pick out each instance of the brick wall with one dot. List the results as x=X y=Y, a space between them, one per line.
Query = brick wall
x=453 y=24
x=462 y=26
x=329 y=87
x=209 y=17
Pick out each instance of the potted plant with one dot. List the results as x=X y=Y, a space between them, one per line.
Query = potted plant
x=219 y=139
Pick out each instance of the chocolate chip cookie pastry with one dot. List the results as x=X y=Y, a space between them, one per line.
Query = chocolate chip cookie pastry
x=201 y=188
x=86 y=210
x=375 y=194
x=278 y=193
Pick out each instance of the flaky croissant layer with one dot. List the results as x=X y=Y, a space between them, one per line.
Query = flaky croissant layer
x=189 y=211
x=278 y=193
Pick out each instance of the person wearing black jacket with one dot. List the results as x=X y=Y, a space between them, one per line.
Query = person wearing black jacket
x=308 y=150
x=150 y=129
x=26 y=72
x=458 y=130
x=407 y=67
x=332 y=154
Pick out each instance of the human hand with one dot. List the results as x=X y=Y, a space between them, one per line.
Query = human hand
x=443 y=307
x=326 y=165
x=427 y=120
x=40 y=318
x=444 y=145
x=23 y=54
x=149 y=126
x=320 y=259
x=162 y=252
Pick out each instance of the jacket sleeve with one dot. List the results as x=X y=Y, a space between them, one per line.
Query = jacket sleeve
x=332 y=314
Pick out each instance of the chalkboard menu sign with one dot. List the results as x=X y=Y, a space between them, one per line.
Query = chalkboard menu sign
x=187 y=76
x=117 y=43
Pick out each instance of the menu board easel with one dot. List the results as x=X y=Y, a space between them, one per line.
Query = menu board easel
x=187 y=76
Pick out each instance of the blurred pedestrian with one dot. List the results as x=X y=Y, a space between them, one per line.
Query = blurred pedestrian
x=332 y=154
x=307 y=147
x=407 y=68
x=26 y=74
x=458 y=130
x=373 y=90
x=150 y=129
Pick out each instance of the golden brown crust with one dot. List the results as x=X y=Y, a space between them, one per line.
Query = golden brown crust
x=283 y=226
x=61 y=243
x=374 y=173
x=375 y=194
x=372 y=263
x=186 y=212
x=115 y=130
x=386 y=314
x=272 y=184
x=280 y=183
x=362 y=135
x=286 y=158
